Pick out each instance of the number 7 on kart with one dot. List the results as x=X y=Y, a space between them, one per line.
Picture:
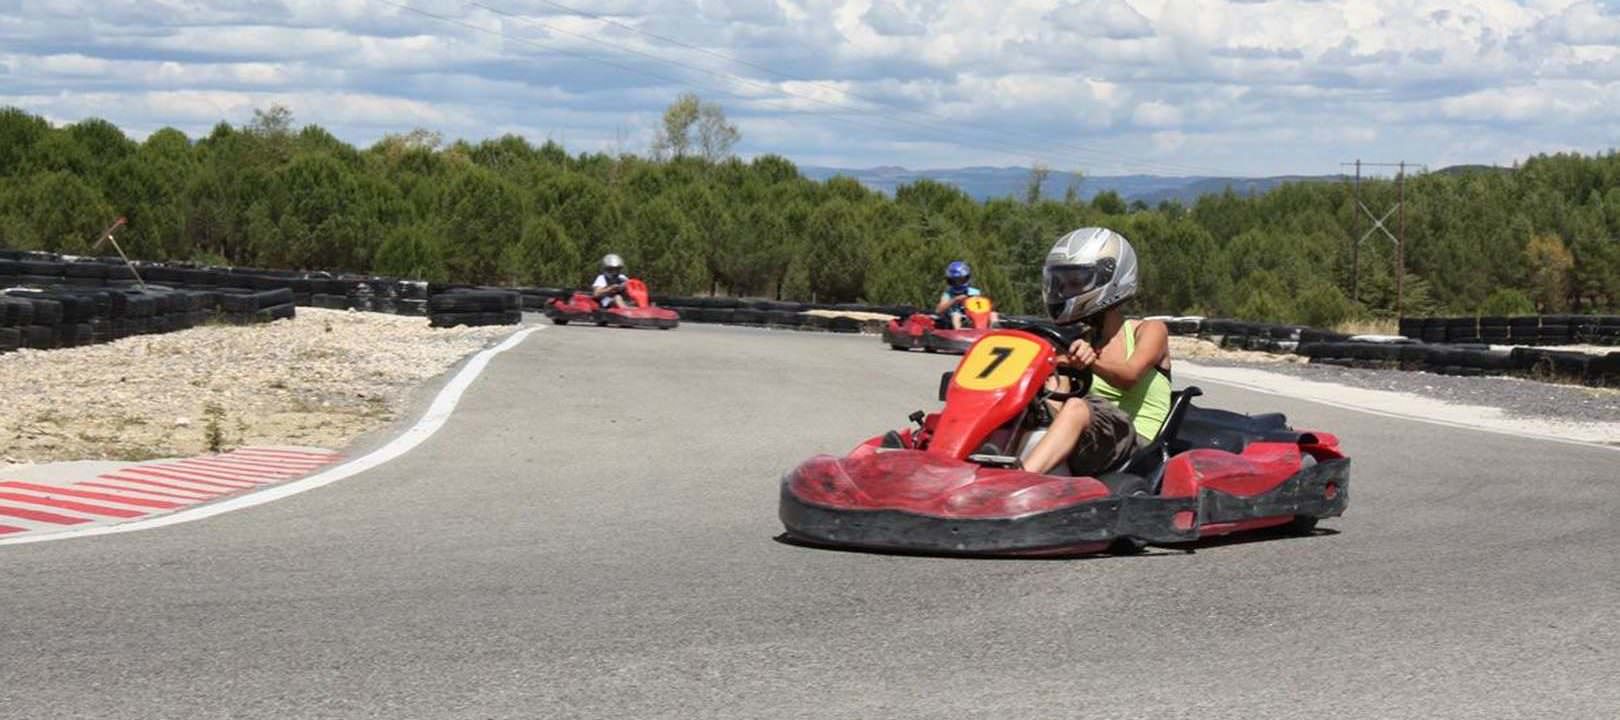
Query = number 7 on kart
x=996 y=362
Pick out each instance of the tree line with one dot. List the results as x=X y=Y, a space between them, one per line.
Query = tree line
x=1539 y=237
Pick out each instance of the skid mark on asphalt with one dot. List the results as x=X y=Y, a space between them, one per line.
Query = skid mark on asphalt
x=142 y=491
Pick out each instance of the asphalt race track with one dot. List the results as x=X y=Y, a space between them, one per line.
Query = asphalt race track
x=592 y=536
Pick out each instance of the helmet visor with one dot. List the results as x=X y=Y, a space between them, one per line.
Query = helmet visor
x=1066 y=281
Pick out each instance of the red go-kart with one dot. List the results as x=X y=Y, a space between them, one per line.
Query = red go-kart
x=953 y=483
x=585 y=308
x=935 y=333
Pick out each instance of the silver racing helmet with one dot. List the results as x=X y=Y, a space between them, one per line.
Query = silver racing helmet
x=1088 y=271
x=612 y=265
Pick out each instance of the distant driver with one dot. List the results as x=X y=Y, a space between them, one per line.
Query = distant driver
x=958 y=288
x=608 y=289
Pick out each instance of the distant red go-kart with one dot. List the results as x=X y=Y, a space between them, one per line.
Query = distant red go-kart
x=953 y=484
x=935 y=334
x=585 y=308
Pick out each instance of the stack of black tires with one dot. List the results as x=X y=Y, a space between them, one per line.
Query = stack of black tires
x=246 y=308
x=69 y=316
x=1526 y=330
x=475 y=307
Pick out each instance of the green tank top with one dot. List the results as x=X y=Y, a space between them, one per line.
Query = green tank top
x=1147 y=402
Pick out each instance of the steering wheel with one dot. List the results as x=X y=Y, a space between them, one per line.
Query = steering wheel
x=1079 y=379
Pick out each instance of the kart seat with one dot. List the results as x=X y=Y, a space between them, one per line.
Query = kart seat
x=1229 y=431
x=1149 y=461
x=1189 y=427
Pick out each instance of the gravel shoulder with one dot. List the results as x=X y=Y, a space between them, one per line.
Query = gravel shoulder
x=321 y=379
x=1515 y=397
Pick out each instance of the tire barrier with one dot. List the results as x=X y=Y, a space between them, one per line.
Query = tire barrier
x=63 y=316
x=475 y=308
x=1471 y=360
x=236 y=295
x=1524 y=330
x=64 y=301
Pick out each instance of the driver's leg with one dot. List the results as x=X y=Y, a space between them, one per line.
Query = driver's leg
x=956 y=321
x=1060 y=438
x=1092 y=435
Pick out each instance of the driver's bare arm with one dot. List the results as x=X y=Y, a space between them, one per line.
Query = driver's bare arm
x=1152 y=346
x=945 y=303
x=1080 y=356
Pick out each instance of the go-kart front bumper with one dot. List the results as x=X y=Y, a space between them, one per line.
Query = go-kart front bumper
x=1082 y=528
x=1319 y=491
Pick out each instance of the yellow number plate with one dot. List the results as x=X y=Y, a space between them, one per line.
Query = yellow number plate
x=996 y=362
x=977 y=304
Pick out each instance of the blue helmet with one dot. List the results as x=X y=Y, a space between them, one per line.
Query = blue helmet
x=958 y=274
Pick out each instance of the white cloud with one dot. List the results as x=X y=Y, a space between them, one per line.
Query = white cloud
x=889 y=17
x=1169 y=141
x=1114 y=19
x=1100 y=85
x=757 y=12
x=1155 y=114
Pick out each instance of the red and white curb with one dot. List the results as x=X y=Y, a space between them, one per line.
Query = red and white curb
x=141 y=491
x=437 y=414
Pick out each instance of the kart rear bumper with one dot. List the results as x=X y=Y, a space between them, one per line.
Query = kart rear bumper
x=951 y=342
x=1321 y=490
x=900 y=339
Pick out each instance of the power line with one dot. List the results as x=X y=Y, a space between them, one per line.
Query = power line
x=1193 y=169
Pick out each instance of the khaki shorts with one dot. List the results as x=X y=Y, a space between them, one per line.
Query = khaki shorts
x=1106 y=442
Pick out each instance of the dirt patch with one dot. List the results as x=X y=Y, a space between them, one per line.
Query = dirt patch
x=1194 y=348
x=862 y=316
x=320 y=379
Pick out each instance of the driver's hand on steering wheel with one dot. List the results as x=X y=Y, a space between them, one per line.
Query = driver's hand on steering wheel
x=1080 y=356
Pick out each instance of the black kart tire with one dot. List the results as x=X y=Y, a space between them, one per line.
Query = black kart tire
x=1127 y=485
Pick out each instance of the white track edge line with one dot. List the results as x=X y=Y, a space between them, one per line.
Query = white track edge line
x=430 y=422
x=1400 y=416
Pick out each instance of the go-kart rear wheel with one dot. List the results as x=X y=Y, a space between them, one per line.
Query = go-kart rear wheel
x=559 y=321
x=1301 y=525
x=1126 y=485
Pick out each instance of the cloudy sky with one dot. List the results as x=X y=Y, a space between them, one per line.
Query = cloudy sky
x=1240 y=87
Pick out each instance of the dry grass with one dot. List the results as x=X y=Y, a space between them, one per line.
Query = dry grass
x=1376 y=326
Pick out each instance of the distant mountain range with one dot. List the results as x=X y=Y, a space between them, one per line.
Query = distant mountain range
x=991 y=182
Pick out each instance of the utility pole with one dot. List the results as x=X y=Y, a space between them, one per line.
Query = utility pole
x=1398 y=237
x=1400 y=242
x=1355 y=246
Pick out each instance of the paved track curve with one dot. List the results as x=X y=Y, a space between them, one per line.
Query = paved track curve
x=591 y=536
